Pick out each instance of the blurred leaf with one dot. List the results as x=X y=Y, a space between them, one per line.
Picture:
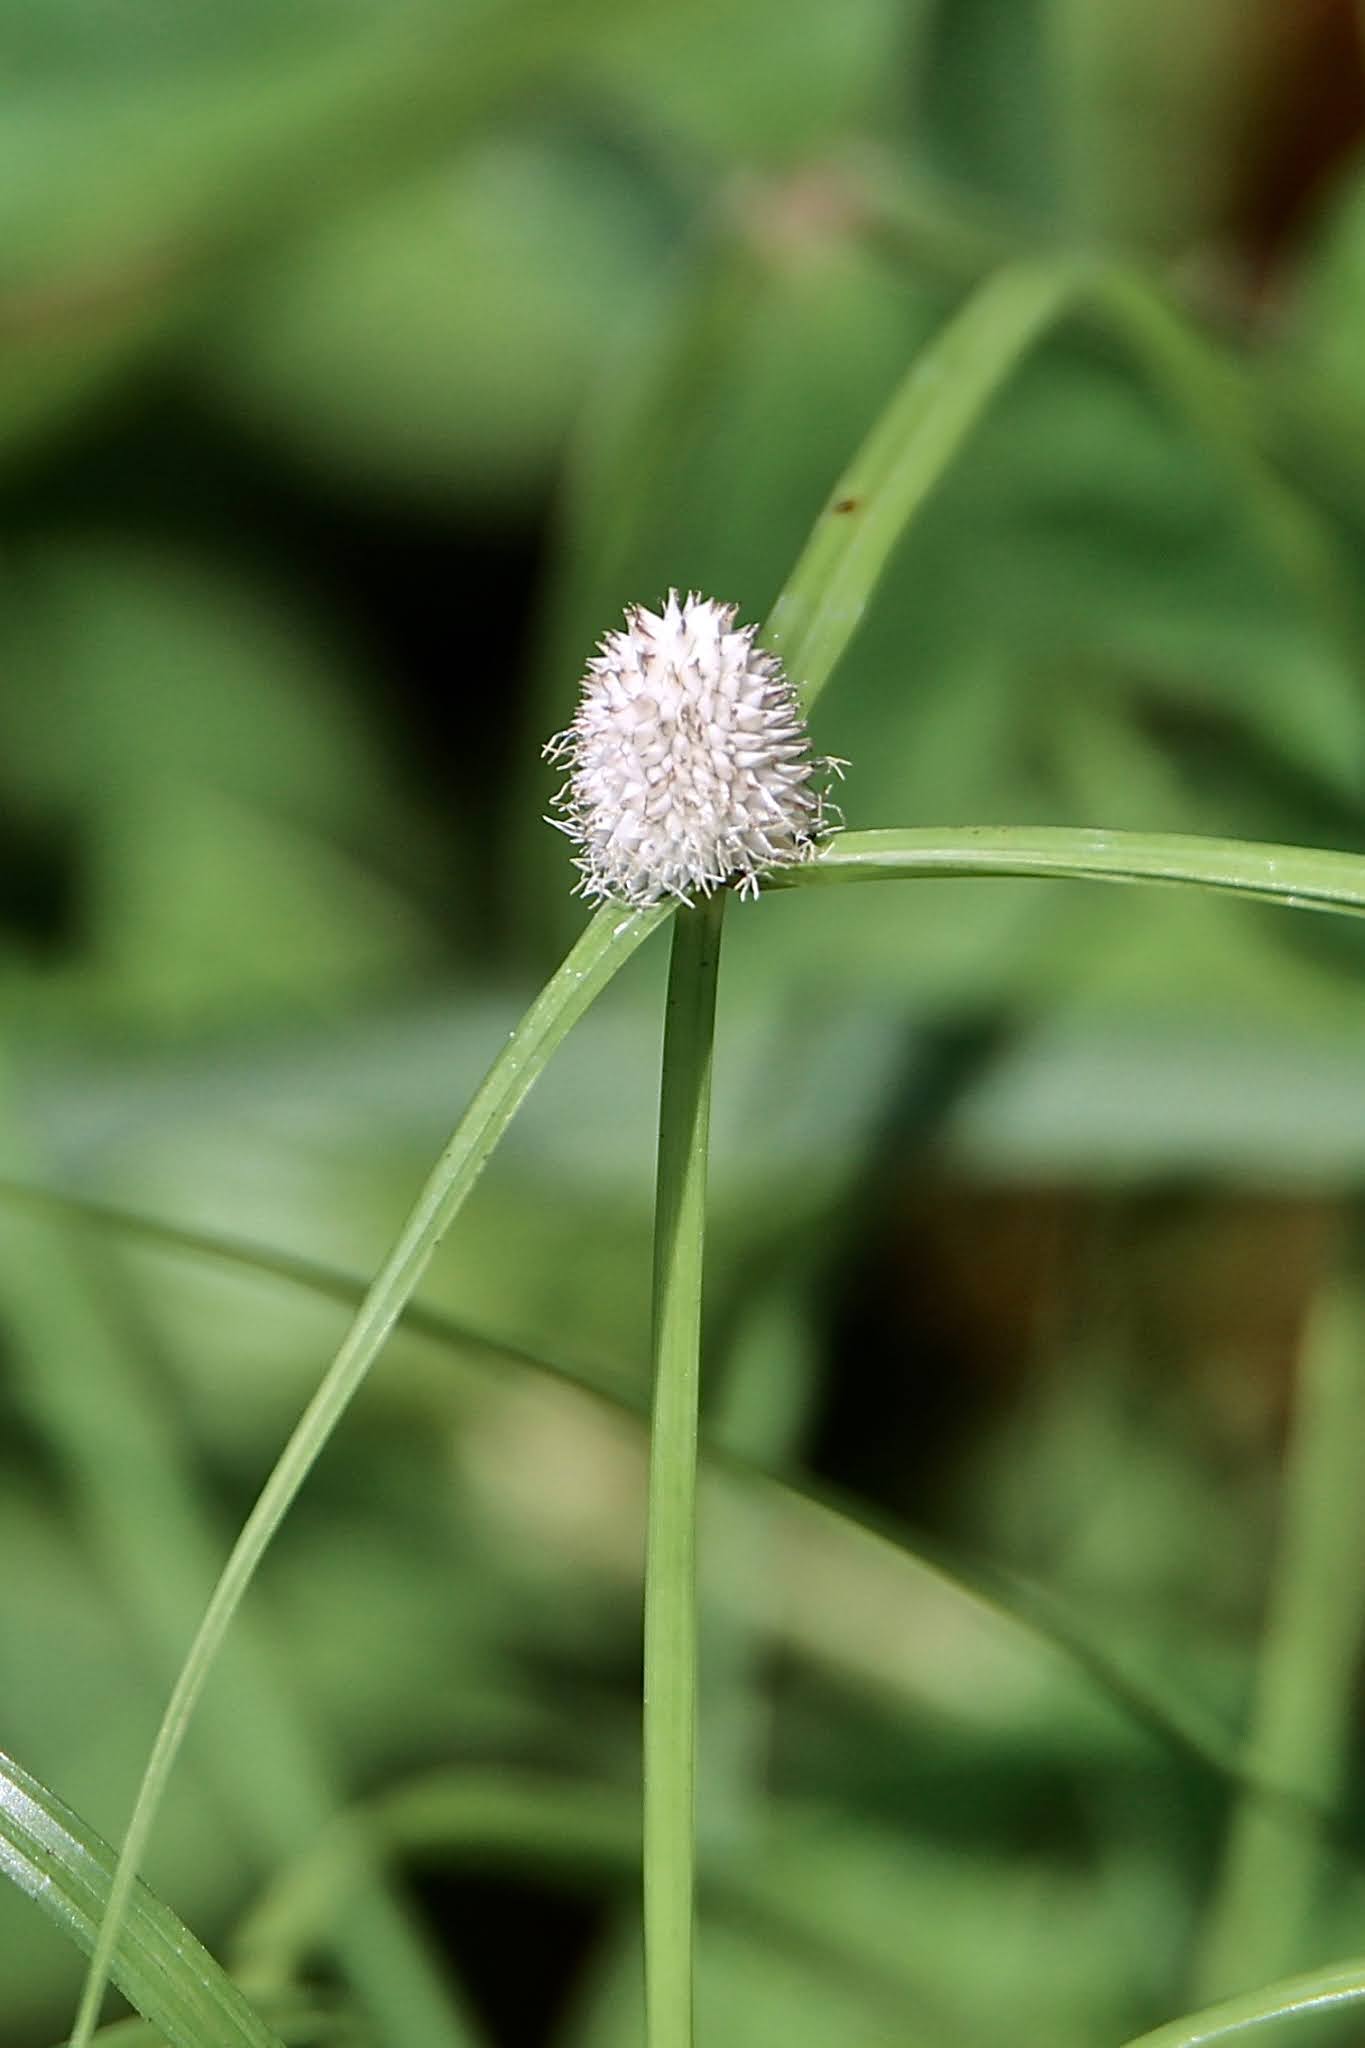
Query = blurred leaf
x=1129 y=124
x=947 y=1947
x=75 y=1639
x=1106 y=1105
x=201 y=908
x=764 y=82
x=439 y=339
x=187 y=731
x=986 y=101
x=208 y=126
x=1325 y=345
x=146 y=664
x=838 y=1545
x=1264 y=1916
x=80 y=1384
x=586 y=1834
x=126 y=185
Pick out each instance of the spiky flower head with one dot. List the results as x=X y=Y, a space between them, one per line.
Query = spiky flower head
x=689 y=760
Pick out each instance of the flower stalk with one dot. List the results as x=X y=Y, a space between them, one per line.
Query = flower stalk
x=670 y=1648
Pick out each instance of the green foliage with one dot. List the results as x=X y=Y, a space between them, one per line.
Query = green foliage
x=358 y=361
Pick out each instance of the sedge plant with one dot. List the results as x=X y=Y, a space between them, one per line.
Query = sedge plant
x=692 y=778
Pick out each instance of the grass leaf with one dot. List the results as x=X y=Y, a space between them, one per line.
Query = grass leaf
x=1299 y=877
x=156 y=1962
x=1317 y=1992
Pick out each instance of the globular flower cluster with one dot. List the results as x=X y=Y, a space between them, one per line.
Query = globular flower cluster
x=689 y=761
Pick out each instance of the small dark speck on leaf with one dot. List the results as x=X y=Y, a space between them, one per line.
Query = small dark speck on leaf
x=845 y=505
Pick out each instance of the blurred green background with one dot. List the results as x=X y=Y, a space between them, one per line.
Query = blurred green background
x=358 y=360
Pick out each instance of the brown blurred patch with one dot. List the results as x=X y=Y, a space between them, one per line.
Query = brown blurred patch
x=1307 y=125
x=967 y=1295
x=1232 y=1286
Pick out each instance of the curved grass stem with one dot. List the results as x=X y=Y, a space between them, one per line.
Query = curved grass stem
x=608 y=942
x=950 y=388
x=1298 y=877
x=1338 y=1989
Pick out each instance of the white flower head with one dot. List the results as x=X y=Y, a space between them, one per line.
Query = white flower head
x=689 y=761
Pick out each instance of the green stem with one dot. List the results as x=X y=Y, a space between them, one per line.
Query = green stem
x=670 y=1687
x=1274 y=1869
x=604 y=947
x=1299 y=877
x=1317 y=1992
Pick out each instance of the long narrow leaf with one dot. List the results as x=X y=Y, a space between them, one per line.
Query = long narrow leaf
x=1299 y=877
x=299 y=2021
x=1317 y=1992
x=67 y=1871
